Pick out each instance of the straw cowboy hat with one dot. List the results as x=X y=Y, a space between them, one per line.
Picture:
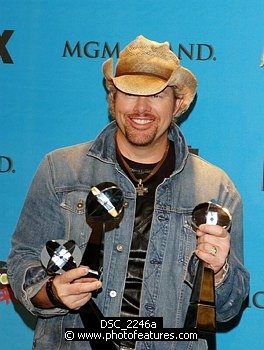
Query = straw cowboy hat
x=147 y=67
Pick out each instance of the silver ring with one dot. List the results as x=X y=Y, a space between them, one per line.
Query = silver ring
x=213 y=251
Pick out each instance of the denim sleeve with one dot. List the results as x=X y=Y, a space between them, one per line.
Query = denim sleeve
x=233 y=290
x=41 y=219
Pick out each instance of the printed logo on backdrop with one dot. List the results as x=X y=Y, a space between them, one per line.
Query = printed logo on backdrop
x=258 y=299
x=4 y=53
x=6 y=293
x=6 y=165
x=262 y=61
x=96 y=49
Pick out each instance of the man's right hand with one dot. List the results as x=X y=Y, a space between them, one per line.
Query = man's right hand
x=73 y=289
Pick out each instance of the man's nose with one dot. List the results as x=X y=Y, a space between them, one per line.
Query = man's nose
x=142 y=104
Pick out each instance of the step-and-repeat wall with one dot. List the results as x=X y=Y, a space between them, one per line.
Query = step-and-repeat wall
x=52 y=95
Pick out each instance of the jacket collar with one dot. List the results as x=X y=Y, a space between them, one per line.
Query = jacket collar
x=103 y=146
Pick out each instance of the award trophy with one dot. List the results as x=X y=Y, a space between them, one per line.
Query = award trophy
x=104 y=211
x=201 y=310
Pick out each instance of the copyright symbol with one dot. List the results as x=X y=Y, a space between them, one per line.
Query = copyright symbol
x=69 y=335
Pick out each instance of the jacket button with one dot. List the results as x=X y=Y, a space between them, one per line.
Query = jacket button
x=119 y=248
x=80 y=204
x=113 y=293
x=125 y=204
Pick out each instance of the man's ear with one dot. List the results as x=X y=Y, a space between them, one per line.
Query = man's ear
x=177 y=105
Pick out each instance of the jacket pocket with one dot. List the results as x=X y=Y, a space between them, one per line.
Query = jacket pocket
x=73 y=208
x=187 y=237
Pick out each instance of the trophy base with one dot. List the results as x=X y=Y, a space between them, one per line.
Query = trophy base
x=201 y=317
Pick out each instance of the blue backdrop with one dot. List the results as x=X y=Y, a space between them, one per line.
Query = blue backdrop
x=51 y=95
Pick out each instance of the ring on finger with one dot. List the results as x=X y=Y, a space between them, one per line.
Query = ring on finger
x=213 y=251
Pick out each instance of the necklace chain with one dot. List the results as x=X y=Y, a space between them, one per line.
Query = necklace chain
x=141 y=189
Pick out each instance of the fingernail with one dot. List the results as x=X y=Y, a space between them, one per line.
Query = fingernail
x=85 y=270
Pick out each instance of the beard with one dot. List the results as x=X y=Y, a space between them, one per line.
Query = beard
x=141 y=137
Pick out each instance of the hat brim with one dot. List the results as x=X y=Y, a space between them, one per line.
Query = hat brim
x=139 y=84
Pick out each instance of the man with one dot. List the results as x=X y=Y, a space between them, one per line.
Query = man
x=149 y=259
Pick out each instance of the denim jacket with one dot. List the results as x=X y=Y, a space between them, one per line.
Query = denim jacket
x=55 y=209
